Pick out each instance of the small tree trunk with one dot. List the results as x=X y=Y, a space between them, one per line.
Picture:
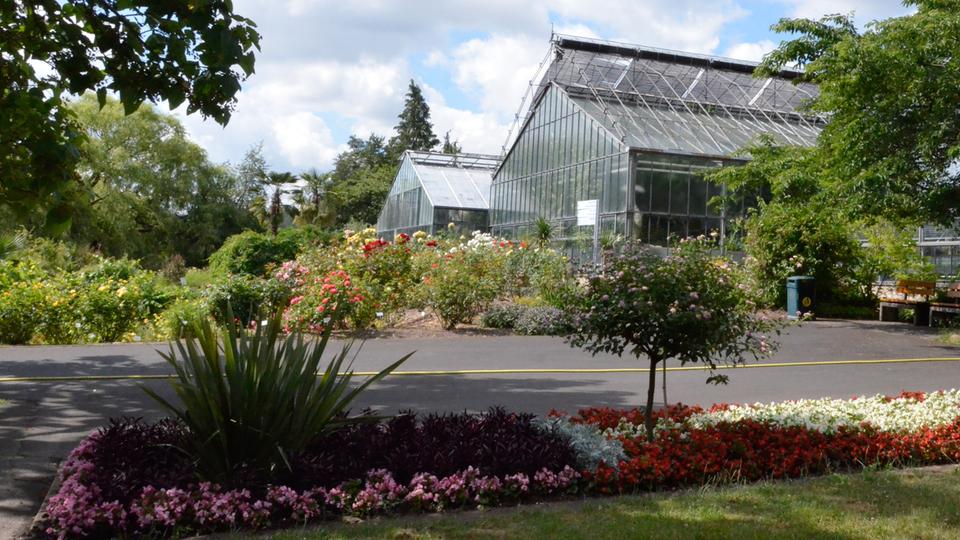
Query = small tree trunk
x=663 y=383
x=651 y=392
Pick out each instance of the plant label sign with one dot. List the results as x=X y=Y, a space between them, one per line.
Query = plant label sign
x=587 y=213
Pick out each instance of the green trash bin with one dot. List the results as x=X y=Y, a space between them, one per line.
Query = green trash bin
x=801 y=296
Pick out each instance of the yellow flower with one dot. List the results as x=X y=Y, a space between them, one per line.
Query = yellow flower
x=103 y=287
x=121 y=291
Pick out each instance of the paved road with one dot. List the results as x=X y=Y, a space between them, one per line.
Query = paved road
x=43 y=421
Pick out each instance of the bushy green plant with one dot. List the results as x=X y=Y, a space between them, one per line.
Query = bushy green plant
x=252 y=399
x=541 y=321
x=198 y=278
x=20 y=310
x=463 y=283
x=181 y=316
x=501 y=315
x=891 y=252
x=246 y=295
x=535 y=272
x=784 y=240
x=253 y=253
x=689 y=306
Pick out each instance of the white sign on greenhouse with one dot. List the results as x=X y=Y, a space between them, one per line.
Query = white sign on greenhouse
x=587 y=213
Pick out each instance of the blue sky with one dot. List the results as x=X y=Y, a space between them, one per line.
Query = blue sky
x=331 y=68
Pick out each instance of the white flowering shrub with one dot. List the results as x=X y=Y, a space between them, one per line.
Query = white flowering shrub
x=902 y=414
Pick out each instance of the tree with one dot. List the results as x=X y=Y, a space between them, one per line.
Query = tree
x=311 y=199
x=893 y=139
x=141 y=50
x=361 y=179
x=414 y=131
x=252 y=174
x=688 y=306
x=279 y=182
x=149 y=191
x=450 y=147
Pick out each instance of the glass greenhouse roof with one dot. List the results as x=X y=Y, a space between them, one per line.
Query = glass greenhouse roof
x=455 y=181
x=670 y=101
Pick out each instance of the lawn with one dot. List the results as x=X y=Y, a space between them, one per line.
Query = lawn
x=917 y=503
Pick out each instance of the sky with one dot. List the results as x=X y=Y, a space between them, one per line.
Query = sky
x=331 y=68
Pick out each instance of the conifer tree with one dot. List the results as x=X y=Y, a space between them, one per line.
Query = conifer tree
x=414 y=132
x=450 y=147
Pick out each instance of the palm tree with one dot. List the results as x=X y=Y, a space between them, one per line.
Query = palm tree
x=10 y=243
x=274 y=214
x=311 y=199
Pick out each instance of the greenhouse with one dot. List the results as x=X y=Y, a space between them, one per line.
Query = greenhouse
x=433 y=190
x=634 y=128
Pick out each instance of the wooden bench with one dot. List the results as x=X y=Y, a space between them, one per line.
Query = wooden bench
x=948 y=307
x=890 y=307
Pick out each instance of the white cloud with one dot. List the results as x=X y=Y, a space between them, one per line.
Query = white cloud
x=750 y=51
x=864 y=10
x=497 y=70
x=304 y=139
x=477 y=132
x=687 y=25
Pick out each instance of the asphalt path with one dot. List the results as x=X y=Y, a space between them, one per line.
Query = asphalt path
x=42 y=421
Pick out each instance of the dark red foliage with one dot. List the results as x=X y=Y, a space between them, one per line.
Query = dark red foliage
x=129 y=454
x=497 y=442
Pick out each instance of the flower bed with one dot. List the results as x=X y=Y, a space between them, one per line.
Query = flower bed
x=129 y=480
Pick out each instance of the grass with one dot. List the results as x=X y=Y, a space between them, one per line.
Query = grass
x=918 y=503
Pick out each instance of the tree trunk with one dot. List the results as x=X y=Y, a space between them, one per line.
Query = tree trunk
x=663 y=383
x=651 y=392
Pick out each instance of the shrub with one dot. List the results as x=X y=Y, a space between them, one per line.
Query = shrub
x=199 y=278
x=541 y=321
x=535 y=272
x=252 y=253
x=590 y=445
x=464 y=281
x=497 y=442
x=501 y=315
x=319 y=297
x=20 y=311
x=245 y=296
x=174 y=268
x=527 y=320
x=690 y=306
x=253 y=398
x=182 y=315
x=783 y=240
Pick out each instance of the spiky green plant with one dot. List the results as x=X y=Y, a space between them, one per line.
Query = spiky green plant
x=252 y=398
x=543 y=232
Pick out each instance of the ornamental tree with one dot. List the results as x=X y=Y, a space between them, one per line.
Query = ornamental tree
x=690 y=306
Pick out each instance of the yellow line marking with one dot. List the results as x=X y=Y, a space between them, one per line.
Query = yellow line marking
x=517 y=371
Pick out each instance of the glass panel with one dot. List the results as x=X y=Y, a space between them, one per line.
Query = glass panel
x=679 y=187
x=698 y=196
x=657 y=230
x=660 y=191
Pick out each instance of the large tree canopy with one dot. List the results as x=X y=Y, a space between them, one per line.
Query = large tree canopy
x=149 y=191
x=141 y=50
x=892 y=95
